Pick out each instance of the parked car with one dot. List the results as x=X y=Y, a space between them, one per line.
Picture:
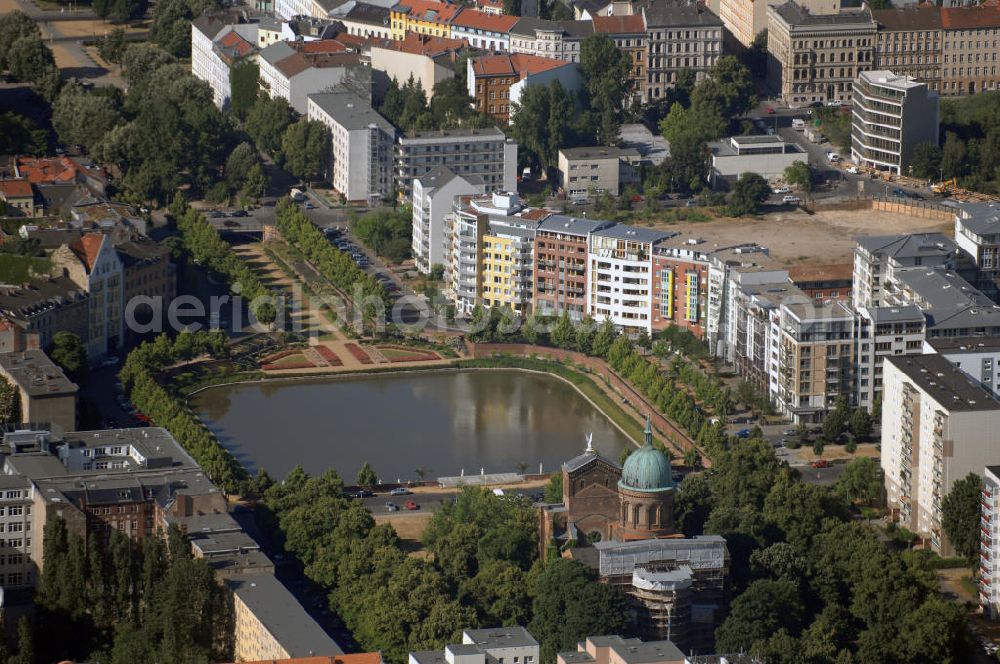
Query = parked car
x=834 y=102
x=240 y=213
x=743 y=433
x=691 y=202
x=899 y=193
x=769 y=110
x=780 y=190
x=391 y=507
x=790 y=432
x=362 y=493
x=410 y=505
x=820 y=463
x=216 y=214
x=798 y=124
x=110 y=361
x=791 y=200
x=400 y=491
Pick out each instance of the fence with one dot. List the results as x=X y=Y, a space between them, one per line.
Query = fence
x=919 y=209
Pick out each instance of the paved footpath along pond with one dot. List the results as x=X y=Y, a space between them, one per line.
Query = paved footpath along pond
x=445 y=422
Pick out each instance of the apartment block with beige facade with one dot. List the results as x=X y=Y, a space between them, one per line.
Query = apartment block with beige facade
x=938 y=426
x=971 y=49
x=745 y=19
x=815 y=58
x=270 y=624
x=910 y=43
x=45 y=393
x=815 y=359
x=679 y=37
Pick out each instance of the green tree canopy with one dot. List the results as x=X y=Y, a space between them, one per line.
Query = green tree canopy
x=800 y=175
x=244 y=82
x=605 y=70
x=305 y=146
x=69 y=353
x=267 y=121
x=960 y=515
x=750 y=191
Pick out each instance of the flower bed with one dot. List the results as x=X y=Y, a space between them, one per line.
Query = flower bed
x=403 y=354
x=332 y=358
x=358 y=352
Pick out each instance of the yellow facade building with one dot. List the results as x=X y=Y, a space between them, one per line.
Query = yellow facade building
x=423 y=17
x=504 y=268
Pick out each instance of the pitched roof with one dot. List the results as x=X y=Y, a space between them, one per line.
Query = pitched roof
x=912 y=18
x=428 y=10
x=473 y=18
x=965 y=18
x=425 y=44
x=16 y=189
x=40 y=170
x=321 y=46
x=299 y=62
x=87 y=248
x=519 y=64
x=620 y=25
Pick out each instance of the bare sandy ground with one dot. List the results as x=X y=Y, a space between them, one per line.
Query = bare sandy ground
x=796 y=238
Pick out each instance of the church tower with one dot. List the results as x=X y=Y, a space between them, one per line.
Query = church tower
x=646 y=493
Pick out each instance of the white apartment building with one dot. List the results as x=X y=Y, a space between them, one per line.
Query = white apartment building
x=487 y=153
x=294 y=70
x=885 y=332
x=977 y=233
x=979 y=357
x=490 y=645
x=720 y=263
x=560 y=40
x=433 y=199
x=215 y=47
x=877 y=257
x=989 y=543
x=361 y=143
x=892 y=115
x=16 y=499
x=938 y=425
x=620 y=276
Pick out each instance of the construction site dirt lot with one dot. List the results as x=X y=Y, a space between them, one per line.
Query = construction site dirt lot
x=797 y=238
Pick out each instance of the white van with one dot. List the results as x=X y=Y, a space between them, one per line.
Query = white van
x=798 y=124
x=526 y=173
x=297 y=195
x=832 y=157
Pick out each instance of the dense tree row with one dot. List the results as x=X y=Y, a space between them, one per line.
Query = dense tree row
x=140 y=377
x=202 y=243
x=128 y=602
x=483 y=570
x=19 y=135
x=332 y=263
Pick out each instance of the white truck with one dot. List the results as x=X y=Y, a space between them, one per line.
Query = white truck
x=297 y=195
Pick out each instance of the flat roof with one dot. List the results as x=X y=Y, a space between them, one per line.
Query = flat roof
x=36 y=374
x=452 y=135
x=282 y=615
x=887 y=78
x=595 y=151
x=560 y=223
x=514 y=636
x=350 y=111
x=901 y=314
x=674 y=15
x=428 y=657
x=634 y=233
x=794 y=14
x=945 y=383
x=645 y=652
x=828 y=310
x=964 y=345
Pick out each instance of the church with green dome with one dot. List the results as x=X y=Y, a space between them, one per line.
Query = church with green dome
x=605 y=501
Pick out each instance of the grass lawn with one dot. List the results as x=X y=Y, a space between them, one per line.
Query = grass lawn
x=16 y=269
x=404 y=353
x=297 y=358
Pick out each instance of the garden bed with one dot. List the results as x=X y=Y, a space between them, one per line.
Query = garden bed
x=403 y=354
x=358 y=352
x=327 y=354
